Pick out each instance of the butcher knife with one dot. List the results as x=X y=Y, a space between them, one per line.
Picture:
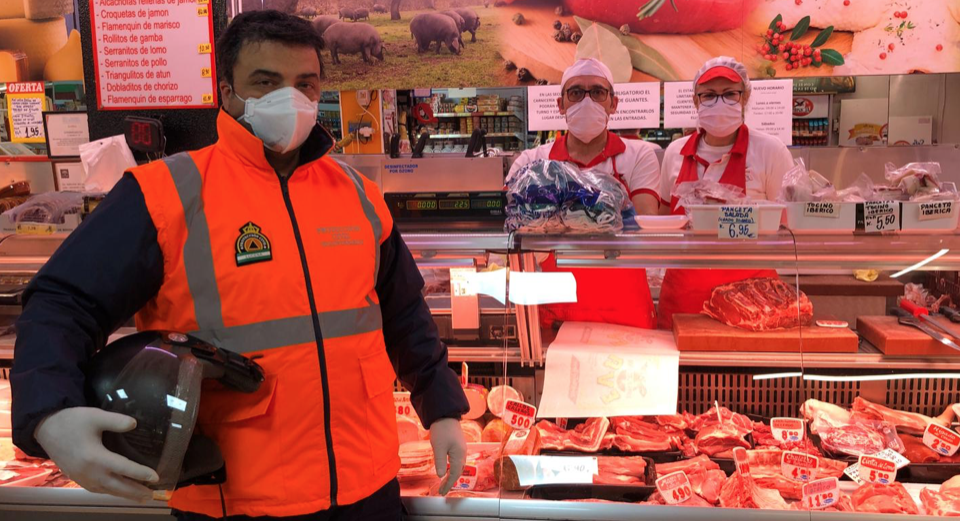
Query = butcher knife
x=907 y=319
x=921 y=313
x=950 y=313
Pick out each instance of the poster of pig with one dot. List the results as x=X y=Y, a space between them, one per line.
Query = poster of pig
x=457 y=43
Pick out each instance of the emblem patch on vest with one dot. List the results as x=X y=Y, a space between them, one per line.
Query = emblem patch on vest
x=252 y=246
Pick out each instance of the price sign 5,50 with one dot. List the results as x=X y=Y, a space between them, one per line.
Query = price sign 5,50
x=519 y=415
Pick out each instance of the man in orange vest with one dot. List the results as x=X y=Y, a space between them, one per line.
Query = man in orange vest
x=264 y=245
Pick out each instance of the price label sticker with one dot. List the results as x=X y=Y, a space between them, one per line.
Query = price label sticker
x=675 y=488
x=464 y=374
x=739 y=223
x=36 y=229
x=204 y=48
x=562 y=423
x=206 y=99
x=26 y=102
x=787 y=429
x=941 y=440
x=203 y=2
x=203 y=10
x=742 y=461
x=877 y=470
x=206 y=72
x=799 y=466
x=468 y=479
x=519 y=415
x=825 y=210
x=880 y=216
x=935 y=210
x=402 y=404
x=822 y=493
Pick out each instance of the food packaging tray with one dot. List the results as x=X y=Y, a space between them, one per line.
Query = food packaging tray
x=628 y=493
x=705 y=218
x=656 y=457
x=910 y=222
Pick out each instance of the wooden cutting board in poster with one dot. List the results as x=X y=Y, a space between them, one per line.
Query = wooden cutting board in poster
x=893 y=339
x=702 y=333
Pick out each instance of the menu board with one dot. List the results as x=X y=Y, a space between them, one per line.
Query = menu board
x=153 y=54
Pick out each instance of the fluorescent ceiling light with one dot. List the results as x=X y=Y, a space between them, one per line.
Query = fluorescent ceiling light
x=921 y=264
x=772 y=376
x=877 y=377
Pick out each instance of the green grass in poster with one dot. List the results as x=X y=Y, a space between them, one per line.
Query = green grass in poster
x=478 y=65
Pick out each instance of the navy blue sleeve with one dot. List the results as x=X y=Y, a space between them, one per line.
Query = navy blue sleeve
x=413 y=342
x=105 y=271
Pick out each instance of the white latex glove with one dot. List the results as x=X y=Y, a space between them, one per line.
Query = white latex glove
x=73 y=438
x=446 y=438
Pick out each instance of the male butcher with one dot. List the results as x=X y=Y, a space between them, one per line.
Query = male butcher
x=266 y=245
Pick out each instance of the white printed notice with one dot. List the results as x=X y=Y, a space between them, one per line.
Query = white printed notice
x=771 y=108
x=639 y=107
x=678 y=108
x=555 y=470
x=153 y=54
x=597 y=370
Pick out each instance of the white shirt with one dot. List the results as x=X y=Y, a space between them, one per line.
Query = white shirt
x=636 y=162
x=767 y=160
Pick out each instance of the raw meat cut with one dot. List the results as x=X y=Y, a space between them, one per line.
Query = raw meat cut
x=765 y=470
x=759 y=305
x=710 y=418
x=720 y=437
x=635 y=435
x=586 y=437
x=627 y=470
x=951 y=485
x=638 y=444
x=695 y=501
x=822 y=414
x=743 y=492
x=689 y=466
x=916 y=451
x=884 y=499
x=608 y=441
x=708 y=484
x=909 y=422
x=852 y=440
x=680 y=422
x=763 y=437
x=940 y=504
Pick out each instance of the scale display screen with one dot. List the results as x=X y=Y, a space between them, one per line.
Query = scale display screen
x=454 y=204
x=439 y=207
x=419 y=205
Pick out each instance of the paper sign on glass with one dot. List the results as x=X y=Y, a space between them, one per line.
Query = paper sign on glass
x=595 y=370
x=555 y=470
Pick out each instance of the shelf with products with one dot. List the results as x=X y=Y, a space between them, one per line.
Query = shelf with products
x=477 y=114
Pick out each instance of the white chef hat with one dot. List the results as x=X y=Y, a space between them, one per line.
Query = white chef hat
x=586 y=67
x=723 y=67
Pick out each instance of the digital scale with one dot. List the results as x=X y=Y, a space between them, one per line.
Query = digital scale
x=447 y=207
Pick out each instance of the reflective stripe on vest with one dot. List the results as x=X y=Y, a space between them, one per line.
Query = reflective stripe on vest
x=202 y=281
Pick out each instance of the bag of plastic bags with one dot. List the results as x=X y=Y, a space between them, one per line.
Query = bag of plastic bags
x=104 y=162
x=550 y=197
x=47 y=208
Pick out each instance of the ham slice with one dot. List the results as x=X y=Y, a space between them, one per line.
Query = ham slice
x=940 y=504
x=586 y=437
x=884 y=499
x=689 y=466
x=743 y=492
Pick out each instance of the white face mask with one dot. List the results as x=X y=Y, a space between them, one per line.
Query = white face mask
x=587 y=119
x=720 y=120
x=282 y=119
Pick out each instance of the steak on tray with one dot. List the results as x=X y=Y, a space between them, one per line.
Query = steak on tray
x=759 y=304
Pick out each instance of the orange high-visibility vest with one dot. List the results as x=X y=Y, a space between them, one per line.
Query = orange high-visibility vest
x=283 y=271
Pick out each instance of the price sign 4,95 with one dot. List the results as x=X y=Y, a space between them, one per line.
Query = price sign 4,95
x=519 y=415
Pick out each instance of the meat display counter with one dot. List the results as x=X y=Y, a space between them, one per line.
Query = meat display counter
x=742 y=389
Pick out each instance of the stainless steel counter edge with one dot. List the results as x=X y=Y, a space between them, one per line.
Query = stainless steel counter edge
x=64 y=499
x=452 y=507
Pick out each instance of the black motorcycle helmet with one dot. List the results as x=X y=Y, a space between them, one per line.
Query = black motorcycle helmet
x=155 y=377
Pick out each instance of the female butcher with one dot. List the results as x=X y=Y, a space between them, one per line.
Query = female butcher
x=725 y=150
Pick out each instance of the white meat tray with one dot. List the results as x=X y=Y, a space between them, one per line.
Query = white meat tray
x=705 y=218
x=803 y=224
x=911 y=222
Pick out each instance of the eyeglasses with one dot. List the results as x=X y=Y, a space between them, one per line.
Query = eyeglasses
x=709 y=99
x=598 y=94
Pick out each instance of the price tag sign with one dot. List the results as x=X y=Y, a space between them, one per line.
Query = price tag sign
x=36 y=229
x=877 y=470
x=787 y=429
x=25 y=105
x=935 y=210
x=894 y=456
x=555 y=470
x=402 y=404
x=825 y=210
x=675 y=488
x=464 y=374
x=519 y=415
x=799 y=466
x=468 y=479
x=821 y=494
x=880 y=216
x=739 y=222
x=742 y=461
x=942 y=440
